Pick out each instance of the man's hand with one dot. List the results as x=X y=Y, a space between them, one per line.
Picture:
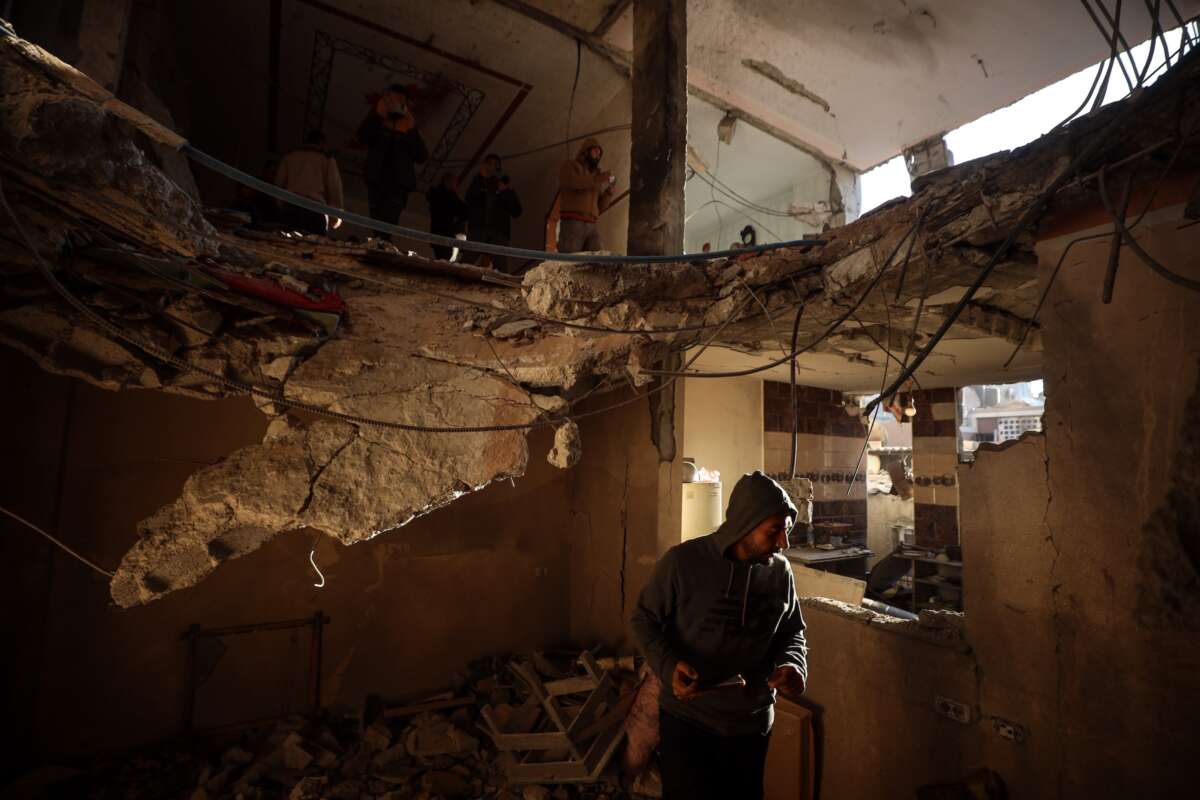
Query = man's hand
x=604 y=177
x=787 y=679
x=685 y=681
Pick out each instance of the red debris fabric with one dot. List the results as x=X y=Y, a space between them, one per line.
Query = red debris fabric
x=315 y=299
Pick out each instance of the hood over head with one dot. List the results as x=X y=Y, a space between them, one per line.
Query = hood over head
x=754 y=498
x=588 y=144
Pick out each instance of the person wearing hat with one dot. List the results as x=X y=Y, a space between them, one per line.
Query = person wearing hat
x=584 y=191
x=394 y=147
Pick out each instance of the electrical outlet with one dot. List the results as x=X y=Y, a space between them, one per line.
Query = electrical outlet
x=1013 y=731
x=541 y=572
x=952 y=709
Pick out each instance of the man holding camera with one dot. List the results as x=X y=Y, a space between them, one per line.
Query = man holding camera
x=491 y=207
x=394 y=146
x=585 y=191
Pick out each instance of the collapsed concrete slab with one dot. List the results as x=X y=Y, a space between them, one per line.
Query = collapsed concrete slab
x=436 y=346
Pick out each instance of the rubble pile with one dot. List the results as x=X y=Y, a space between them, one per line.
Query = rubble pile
x=437 y=748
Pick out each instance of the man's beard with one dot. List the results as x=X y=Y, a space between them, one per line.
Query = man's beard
x=593 y=163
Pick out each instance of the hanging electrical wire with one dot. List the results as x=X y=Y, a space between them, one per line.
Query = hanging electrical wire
x=1032 y=212
x=57 y=542
x=276 y=396
x=736 y=210
x=1090 y=237
x=837 y=323
x=370 y=223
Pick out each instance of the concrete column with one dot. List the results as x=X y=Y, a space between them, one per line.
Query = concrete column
x=935 y=468
x=103 y=29
x=659 y=148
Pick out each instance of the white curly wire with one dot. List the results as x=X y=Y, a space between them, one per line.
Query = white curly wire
x=320 y=575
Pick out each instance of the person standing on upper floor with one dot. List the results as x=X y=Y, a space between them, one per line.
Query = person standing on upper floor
x=447 y=213
x=310 y=171
x=492 y=204
x=719 y=607
x=394 y=147
x=584 y=192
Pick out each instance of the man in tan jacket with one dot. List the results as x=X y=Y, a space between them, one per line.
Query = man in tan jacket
x=584 y=192
x=311 y=172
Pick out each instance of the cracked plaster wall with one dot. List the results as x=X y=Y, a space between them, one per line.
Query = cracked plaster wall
x=613 y=534
x=485 y=575
x=1081 y=599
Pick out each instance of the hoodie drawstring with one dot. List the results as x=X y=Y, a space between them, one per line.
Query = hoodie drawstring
x=746 y=594
x=729 y=585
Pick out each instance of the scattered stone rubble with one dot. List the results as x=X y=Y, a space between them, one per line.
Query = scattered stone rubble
x=432 y=755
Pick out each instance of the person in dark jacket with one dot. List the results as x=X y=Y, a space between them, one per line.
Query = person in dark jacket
x=720 y=607
x=491 y=207
x=394 y=147
x=447 y=213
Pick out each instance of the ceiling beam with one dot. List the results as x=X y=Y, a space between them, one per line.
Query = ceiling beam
x=619 y=60
x=766 y=127
x=622 y=63
x=615 y=10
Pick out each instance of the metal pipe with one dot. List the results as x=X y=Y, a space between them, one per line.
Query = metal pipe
x=884 y=608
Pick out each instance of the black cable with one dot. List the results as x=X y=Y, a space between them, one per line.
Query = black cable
x=276 y=396
x=824 y=335
x=1113 y=57
x=272 y=190
x=1185 y=36
x=521 y=154
x=1136 y=247
x=1063 y=256
x=1114 y=250
x=717 y=186
x=1033 y=211
x=712 y=193
x=888 y=354
x=1110 y=39
x=1086 y=98
x=737 y=210
x=882 y=383
x=731 y=193
x=795 y=403
x=574 y=85
x=1115 y=24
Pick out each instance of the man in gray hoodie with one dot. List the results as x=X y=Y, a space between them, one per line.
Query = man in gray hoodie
x=720 y=607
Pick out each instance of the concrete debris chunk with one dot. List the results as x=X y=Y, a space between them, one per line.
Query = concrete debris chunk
x=391 y=755
x=310 y=788
x=511 y=329
x=377 y=738
x=446 y=784
x=567 y=448
x=236 y=755
x=432 y=735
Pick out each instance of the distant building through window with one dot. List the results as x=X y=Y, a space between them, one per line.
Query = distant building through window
x=997 y=413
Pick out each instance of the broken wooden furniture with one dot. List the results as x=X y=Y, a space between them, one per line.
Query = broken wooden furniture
x=566 y=731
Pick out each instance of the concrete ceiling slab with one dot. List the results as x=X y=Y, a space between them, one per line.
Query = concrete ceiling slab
x=584 y=14
x=860 y=80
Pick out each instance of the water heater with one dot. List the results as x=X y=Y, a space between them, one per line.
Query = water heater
x=702 y=509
